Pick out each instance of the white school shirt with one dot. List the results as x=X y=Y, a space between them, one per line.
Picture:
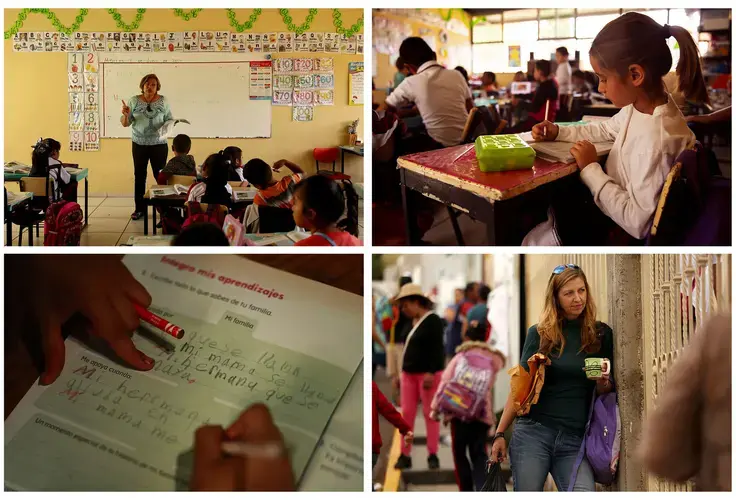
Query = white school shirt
x=644 y=150
x=198 y=190
x=239 y=171
x=53 y=172
x=564 y=77
x=440 y=96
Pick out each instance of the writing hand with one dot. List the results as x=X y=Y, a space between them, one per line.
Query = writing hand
x=126 y=109
x=538 y=131
x=584 y=153
x=216 y=471
x=99 y=287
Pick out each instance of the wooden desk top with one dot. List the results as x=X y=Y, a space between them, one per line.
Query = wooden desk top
x=458 y=167
x=23 y=353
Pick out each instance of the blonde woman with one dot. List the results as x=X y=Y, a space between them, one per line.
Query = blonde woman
x=548 y=438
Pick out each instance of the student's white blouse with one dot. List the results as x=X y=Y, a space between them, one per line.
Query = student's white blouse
x=198 y=190
x=644 y=150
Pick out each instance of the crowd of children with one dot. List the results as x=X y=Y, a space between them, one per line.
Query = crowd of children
x=630 y=58
x=423 y=373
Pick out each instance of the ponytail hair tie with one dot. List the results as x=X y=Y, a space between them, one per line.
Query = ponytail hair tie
x=41 y=147
x=667 y=31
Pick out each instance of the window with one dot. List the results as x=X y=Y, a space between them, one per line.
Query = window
x=489 y=29
x=556 y=23
x=490 y=57
x=590 y=26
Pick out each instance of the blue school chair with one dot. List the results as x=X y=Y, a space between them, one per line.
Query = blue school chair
x=694 y=207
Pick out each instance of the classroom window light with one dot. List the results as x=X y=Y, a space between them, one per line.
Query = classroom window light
x=490 y=57
x=659 y=15
x=587 y=12
x=488 y=30
x=520 y=32
x=520 y=15
x=556 y=23
x=590 y=26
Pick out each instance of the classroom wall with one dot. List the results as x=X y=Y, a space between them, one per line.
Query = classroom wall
x=36 y=98
x=385 y=70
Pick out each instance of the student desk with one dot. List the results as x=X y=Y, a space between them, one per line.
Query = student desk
x=77 y=174
x=15 y=201
x=353 y=150
x=176 y=201
x=161 y=240
x=452 y=177
x=600 y=109
x=23 y=347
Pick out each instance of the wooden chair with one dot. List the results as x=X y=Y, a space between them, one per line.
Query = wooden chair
x=34 y=213
x=482 y=121
x=184 y=180
x=694 y=207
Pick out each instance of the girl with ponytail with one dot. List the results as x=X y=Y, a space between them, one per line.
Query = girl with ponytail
x=631 y=57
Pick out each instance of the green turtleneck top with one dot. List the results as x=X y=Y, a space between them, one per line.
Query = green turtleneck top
x=566 y=395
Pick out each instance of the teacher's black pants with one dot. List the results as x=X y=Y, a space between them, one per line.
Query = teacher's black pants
x=141 y=156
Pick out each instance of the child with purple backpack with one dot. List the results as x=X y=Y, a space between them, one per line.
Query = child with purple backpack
x=463 y=399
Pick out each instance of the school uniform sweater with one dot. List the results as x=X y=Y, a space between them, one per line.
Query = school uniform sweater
x=645 y=148
x=383 y=407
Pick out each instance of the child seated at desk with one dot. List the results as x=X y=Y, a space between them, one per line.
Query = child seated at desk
x=182 y=163
x=489 y=84
x=270 y=191
x=441 y=95
x=546 y=92
x=319 y=202
x=214 y=188
x=630 y=56
x=45 y=161
x=235 y=156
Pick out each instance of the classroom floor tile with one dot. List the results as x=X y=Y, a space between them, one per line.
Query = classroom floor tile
x=107 y=225
x=119 y=202
x=99 y=239
x=105 y=210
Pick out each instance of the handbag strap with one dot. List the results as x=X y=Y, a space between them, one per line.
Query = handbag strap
x=581 y=451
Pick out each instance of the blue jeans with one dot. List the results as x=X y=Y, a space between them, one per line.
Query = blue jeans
x=537 y=450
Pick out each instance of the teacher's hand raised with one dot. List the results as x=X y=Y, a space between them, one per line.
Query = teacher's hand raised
x=126 y=109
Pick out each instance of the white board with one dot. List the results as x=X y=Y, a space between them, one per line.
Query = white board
x=211 y=90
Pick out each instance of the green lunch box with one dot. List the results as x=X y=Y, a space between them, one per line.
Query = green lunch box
x=497 y=153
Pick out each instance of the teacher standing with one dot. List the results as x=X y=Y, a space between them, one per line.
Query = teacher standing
x=146 y=113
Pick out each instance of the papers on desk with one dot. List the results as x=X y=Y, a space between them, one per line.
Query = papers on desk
x=14 y=167
x=72 y=170
x=167 y=129
x=558 y=151
x=246 y=195
x=278 y=240
x=252 y=334
x=176 y=189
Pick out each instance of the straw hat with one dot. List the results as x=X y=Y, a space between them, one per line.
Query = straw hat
x=410 y=290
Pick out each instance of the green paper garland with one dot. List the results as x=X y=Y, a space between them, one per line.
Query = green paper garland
x=23 y=15
x=247 y=24
x=294 y=28
x=181 y=13
x=121 y=24
x=337 y=22
x=187 y=15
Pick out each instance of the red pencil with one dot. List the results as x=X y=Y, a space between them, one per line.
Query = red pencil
x=159 y=322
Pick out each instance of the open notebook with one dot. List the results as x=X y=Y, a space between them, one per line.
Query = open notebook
x=558 y=151
x=253 y=333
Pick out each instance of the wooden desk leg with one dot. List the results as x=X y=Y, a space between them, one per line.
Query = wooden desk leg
x=153 y=219
x=491 y=226
x=86 y=200
x=30 y=235
x=456 y=226
x=145 y=218
x=9 y=229
x=410 y=215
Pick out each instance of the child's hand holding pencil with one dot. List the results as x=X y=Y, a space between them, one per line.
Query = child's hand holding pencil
x=545 y=131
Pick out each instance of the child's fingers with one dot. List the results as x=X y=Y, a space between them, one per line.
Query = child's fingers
x=108 y=324
x=53 y=350
x=126 y=350
x=135 y=290
x=129 y=316
x=208 y=446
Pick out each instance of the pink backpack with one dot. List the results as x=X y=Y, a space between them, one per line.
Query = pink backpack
x=204 y=212
x=464 y=396
x=63 y=224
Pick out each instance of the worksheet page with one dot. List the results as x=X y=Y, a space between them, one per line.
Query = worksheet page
x=252 y=334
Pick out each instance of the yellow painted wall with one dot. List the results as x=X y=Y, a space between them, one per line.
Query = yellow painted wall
x=36 y=98
x=385 y=70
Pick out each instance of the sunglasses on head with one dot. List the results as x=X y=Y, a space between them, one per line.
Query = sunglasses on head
x=559 y=269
